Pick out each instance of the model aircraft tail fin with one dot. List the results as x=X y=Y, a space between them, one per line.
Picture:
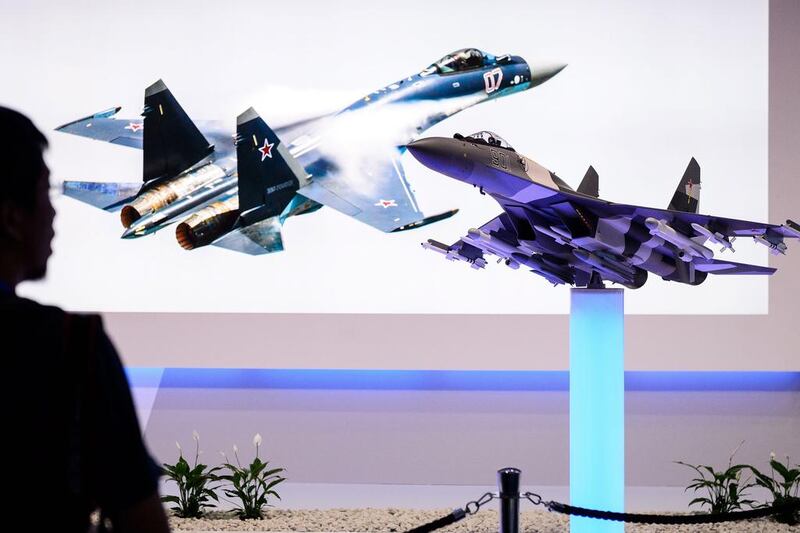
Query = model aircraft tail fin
x=269 y=176
x=172 y=143
x=590 y=184
x=687 y=195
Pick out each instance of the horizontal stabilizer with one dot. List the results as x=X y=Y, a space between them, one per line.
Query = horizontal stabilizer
x=590 y=184
x=109 y=196
x=687 y=195
x=262 y=237
x=719 y=267
x=172 y=142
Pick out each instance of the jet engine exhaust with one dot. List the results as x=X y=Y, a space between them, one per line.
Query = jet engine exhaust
x=208 y=224
x=167 y=192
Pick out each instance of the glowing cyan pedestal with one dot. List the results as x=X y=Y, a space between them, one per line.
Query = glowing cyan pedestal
x=597 y=406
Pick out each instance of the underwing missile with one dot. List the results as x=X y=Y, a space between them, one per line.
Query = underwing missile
x=715 y=237
x=687 y=246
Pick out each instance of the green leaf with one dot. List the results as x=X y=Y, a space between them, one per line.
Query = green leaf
x=705 y=501
x=779 y=468
x=173 y=499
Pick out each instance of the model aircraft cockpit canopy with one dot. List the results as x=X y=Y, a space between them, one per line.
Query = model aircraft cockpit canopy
x=459 y=61
x=487 y=137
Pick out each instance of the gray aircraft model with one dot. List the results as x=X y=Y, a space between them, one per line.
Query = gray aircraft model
x=236 y=190
x=573 y=237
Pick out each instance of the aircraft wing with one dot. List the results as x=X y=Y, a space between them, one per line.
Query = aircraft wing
x=103 y=127
x=728 y=227
x=722 y=267
x=374 y=192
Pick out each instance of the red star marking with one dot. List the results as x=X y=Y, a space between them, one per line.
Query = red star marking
x=134 y=126
x=386 y=203
x=266 y=150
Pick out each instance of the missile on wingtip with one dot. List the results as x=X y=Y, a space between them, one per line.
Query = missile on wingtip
x=775 y=248
x=792 y=228
x=687 y=246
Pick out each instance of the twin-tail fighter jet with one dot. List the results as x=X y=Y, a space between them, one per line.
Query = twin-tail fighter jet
x=235 y=191
x=573 y=237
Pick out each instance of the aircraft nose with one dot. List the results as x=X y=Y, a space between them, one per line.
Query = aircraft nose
x=541 y=72
x=442 y=155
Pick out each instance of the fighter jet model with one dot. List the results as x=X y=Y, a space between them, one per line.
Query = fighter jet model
x=573 y=237
x=236 y=191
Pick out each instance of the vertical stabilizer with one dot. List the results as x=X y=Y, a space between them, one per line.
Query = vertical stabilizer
x=269 y=176
x=172 y=143
x=590 y=184
x=687 y=195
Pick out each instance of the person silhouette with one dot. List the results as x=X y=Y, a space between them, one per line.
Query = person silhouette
x=78 y=446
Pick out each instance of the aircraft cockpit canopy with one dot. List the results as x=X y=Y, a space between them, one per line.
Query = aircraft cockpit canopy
x=458 y=61
x=490 y=138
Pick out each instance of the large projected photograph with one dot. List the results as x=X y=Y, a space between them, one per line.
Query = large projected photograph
x=252 y=158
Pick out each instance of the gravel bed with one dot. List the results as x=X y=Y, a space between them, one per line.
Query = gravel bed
x=399 y=520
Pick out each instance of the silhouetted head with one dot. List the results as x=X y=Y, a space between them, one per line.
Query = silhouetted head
x=26 y=214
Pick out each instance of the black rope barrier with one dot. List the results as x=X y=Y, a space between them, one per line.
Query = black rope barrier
x=452 y=518
x=637 y=518
x=509 y=496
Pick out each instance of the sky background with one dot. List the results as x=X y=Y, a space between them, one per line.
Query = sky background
x=648 y=86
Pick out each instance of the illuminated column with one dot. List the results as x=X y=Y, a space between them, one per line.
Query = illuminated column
x=596 y=406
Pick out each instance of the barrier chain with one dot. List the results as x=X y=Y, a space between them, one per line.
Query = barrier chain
x=786 y=509
x=458 y=514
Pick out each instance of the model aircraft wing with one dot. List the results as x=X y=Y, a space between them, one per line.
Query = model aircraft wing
x=373 y=191
x=727 y=227
x=721 y=267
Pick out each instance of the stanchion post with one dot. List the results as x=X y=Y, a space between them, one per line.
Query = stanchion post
x=597 y=406
x=508 y=483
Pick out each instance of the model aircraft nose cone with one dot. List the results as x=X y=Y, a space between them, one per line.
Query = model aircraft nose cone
x=540 y=73
x=424 y=146
x=442 y=155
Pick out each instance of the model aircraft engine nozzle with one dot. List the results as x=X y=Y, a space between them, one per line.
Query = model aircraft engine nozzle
x=208 y=224
x=167 y=192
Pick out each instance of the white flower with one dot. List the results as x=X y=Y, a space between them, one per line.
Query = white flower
x=178 y=444
x=223 y=455
x=771 y=456
x=257 y=440
x=235 y=449
x=195 y=435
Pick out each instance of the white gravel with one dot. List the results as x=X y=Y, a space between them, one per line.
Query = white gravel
x=399 y=520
